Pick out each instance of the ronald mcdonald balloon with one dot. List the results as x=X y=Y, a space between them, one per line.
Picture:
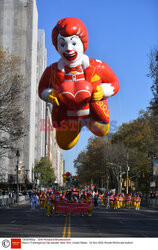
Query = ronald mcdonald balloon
x=77 y=86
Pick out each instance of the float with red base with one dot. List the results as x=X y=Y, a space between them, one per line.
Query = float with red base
x=77 y=86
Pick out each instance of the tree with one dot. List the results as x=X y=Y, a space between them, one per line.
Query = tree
x=135 y=138
x=153 y=74
x=44 y=168
x=12 y=121
x=93 y=164
x=138 y=136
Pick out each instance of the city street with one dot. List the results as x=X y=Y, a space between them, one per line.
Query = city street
x=22 y=222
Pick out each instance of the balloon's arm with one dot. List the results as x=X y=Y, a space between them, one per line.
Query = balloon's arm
x=46 y=89
x=44 y=95
x=110 y=83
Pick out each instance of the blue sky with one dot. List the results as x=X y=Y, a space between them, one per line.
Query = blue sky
x=121 y=33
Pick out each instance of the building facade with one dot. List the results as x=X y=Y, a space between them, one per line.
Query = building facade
x=20 y=35
x=18 y=30
x=53 y=152
x=40 y=105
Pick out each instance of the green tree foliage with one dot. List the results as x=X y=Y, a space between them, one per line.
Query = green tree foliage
x=134 y=139
x=93 y=164
x=44 y=172
x=139 y=136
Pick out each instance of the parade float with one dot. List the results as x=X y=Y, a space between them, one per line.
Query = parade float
x=76 y=86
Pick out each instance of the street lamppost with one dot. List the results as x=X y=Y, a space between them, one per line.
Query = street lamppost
x=127 y=182
x=17 y=172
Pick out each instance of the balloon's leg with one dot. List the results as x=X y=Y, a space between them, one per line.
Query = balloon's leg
x=68 y=137
x=99 y=129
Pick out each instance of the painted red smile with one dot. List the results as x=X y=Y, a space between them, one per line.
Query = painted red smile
x=70 y=55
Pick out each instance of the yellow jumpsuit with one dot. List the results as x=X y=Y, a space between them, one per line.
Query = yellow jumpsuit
x=138 y=201
x=42 y=201
x=105 y=200
x=134 y=202
x=49 y=206
x=116 y=202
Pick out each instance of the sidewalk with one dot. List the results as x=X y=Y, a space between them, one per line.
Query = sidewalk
x=150 y=203
x=20 y=204
x=149 y=208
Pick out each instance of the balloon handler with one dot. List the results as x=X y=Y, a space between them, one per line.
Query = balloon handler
x=77 y=86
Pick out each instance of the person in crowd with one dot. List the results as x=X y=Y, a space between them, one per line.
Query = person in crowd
x=116 y=201
x=49 y=204
x=42 y=200
x=33 y=201
x=90 y=207
x=111 y=199
x=138 y=201
x=96 y=200
x=120 y=198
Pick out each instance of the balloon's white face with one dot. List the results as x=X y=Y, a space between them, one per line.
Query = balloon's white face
x=70 y=48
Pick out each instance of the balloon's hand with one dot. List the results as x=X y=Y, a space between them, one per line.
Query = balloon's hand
x=98 y=94
x=53 y=97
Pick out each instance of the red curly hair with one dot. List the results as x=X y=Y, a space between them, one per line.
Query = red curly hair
x=70 y=26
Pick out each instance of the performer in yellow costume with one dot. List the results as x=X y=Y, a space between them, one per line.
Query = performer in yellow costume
x=134 y=201
x=116 y=201
x=120 y=198
x=42 y=200
x=111 y=198
x=49 y=205
x=138 y=201
x=128 y=201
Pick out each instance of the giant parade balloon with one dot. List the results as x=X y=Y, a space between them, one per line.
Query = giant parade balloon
x=76 y=85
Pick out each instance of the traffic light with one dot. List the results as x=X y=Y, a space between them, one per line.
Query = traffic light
x=64 y=178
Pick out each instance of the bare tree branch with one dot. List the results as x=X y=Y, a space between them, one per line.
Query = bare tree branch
x=12 y=120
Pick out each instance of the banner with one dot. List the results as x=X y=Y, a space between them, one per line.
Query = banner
x=63 y=207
